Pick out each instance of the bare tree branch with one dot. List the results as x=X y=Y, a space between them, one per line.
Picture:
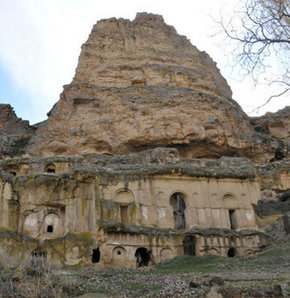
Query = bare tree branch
x=269 y=99
x=261 y=31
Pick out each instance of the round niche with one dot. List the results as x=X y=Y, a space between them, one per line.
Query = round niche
x=119 y=254
x=124 y=196
x=166 y=254
x=229 y=196
x=230 y=200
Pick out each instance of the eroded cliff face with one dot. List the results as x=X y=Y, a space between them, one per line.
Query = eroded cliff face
x=139 y=85
x=10 y=124
x=275 y=124
x=14 y=132
x=146 y=52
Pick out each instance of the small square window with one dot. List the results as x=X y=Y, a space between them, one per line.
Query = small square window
x=49 y=229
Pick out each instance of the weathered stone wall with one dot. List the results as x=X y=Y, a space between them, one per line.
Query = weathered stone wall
x=64 y=204
x=70 y=204
x=207 y=201
x=106 y=210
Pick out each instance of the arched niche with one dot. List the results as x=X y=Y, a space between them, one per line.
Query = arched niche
x=166 y=254
x=229 y=196
x=13 y=170
x=50 y=168
x=52 y=224
x=124 y=196
x=230 y=201
x=177 y=202
x=119 y=254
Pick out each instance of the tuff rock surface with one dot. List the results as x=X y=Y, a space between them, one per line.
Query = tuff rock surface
x=14 y=132
x=10 y=124
x=275 y=124
x=139 y=85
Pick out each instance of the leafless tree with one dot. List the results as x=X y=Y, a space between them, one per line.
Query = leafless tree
x=261 y=32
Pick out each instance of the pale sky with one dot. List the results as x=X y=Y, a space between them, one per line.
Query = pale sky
x=41 y=40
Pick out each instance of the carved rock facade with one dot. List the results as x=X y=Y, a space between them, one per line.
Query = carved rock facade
x=91 y=185
x=132 y=210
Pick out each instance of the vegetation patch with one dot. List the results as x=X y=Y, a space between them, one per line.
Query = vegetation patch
x=264 y=274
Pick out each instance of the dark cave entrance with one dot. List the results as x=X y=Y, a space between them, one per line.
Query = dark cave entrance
x=189 y=245
x=142 y=257
x=231 y=252
x=96 y=255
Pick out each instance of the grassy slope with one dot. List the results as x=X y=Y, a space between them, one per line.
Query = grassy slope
x=170 y=278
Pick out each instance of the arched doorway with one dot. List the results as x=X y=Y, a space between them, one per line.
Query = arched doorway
x=178 y=204
x=142 y=257
x=189 y=245
x=96 y=255
x=231 y=252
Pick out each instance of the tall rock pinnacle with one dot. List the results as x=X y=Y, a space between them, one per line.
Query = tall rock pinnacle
x=139 y=85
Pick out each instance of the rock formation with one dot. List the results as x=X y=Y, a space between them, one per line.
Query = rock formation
x=275 y=124
x=14 y=132
x=140 y=85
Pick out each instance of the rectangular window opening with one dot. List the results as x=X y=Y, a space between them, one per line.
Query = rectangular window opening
x=96 y=256
x=124 y=215
x=233 y=219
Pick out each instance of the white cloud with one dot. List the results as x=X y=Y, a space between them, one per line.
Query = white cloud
x=40 y=41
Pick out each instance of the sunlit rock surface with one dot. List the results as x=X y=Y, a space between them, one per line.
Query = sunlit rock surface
x=140 y=85
x=145 y=157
